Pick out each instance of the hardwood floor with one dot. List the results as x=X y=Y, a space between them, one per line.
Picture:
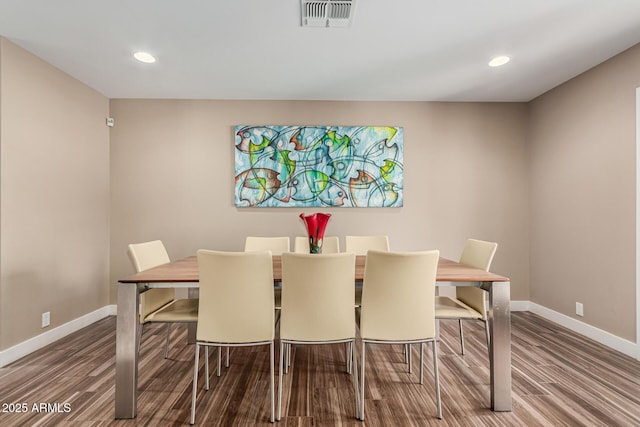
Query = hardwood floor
x=559 y=379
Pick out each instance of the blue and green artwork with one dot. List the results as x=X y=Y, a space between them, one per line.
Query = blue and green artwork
x=318 y=166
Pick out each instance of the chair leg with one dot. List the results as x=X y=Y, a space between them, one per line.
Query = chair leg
x=166 y=344
x=140 y=327
x=362 y=365
x=461 y=336
x=287 y=353
x=349 y=353
x=271 y=385
x=408 y=346
x=282 y=350
x=206 y=367
x=219 y=359
x=436 y=375
x=227 y=364
x=286 y=358
x=356 y=385
x=487 y=334
x=421 y=363
x=195 y=385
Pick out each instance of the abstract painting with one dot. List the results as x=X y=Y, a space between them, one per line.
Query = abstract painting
x=318 y=166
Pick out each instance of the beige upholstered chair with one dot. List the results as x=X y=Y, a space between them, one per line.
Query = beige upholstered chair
x=469 y=303
x=158 y=305
x=359 y=245
x=236 y=307
x=317 y=305
x=277 y=245
x=330 y=245
x=398 y=306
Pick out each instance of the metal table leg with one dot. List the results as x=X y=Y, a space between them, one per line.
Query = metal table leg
x=126 y=392
x=500 y=349
x=191 y=327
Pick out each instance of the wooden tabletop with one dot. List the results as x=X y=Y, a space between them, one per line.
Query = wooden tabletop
x=186 y=270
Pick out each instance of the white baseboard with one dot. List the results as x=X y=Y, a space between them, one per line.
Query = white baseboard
x=520 y=306
x=603 y=337
x=19 y=350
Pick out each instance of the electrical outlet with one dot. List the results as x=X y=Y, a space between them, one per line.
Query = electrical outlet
x=579 y=309
x=46 y=319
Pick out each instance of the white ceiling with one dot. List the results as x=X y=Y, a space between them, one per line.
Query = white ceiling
x=435 y=50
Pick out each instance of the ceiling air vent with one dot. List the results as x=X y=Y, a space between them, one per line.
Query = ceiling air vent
x=326 y=13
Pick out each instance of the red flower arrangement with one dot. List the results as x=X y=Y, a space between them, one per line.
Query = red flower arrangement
x=316 y=224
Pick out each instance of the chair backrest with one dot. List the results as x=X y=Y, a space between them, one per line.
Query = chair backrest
x=330 y=245
x=277 y=245
x=144 y=256
x=147 y=255
x=398 y=295
x=478 y=254
x=359 y=245
x=236 y=303
x=318 y=297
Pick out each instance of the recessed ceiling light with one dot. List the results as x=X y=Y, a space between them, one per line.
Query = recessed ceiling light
x=144 y=57
x=498 y=61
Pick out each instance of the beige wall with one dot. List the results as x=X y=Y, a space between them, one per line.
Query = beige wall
x=552 y=181
x=465 y=176
x=583 y=195
x=54 y=184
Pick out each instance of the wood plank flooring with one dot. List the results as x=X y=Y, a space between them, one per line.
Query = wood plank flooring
x=559 y=379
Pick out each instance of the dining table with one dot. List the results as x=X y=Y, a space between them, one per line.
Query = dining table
x=183 y=273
